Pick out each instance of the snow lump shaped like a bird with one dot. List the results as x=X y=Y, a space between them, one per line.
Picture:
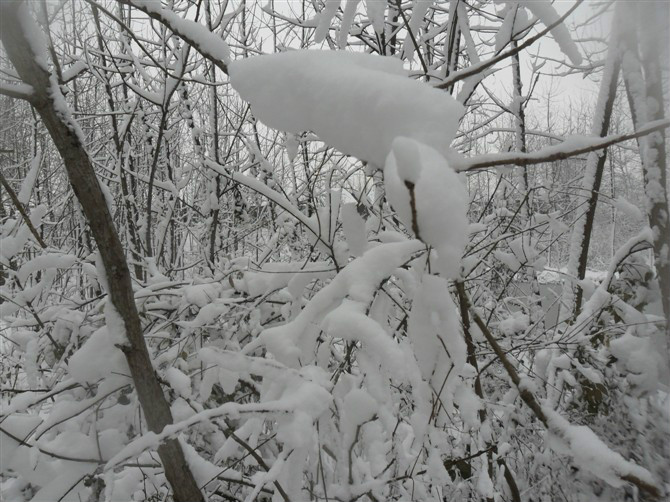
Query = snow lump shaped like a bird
x=355 y=102
x=440 y=200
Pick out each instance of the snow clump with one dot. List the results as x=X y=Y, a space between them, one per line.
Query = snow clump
x=355 y=102
x=417 y=175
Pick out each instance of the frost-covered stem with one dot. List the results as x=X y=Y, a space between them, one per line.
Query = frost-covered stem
x=152 y=177
x=479 y=67
x=532 y=402
x=644 y=87
x=22 y=211
x=48 y=100
x=591 y=181
x=472 y=360
x=214 y=127
x=452 y=45
x=520 y=138
x=555 y=152
x=391 y=33
x=119 y=144
x=189 y=31
x=412 y=36
x=525 y=394
x=472 y=356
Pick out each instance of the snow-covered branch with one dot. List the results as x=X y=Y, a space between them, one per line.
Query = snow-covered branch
x=571 y=147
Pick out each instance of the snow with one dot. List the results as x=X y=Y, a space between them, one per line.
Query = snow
x=200 y=294
x=302 y=396
x=207 y=314
x=179 y=382
x=29 y=181
x=516 y=20
x=19 y=425
x=548 y=15
x=359 y=407
x=353 y=226
x=435 y=335
x=349 y=322
x=325 y=18
x=419 y=10
x=290 y=343
x=440 y=200
x=12 y=244
x=469 y=405
x=44 y=262
x=376 y=14
x=34 y=35
x=347 y=20
x=98 y=358
x=326 y=91
x=346 y=363
x=590 y=453
x=208 y=43
x=507 y=259
x=273 y=277
x=518 y=322
x=630 y=210
x=203 y=471
x=484 y=483
x=407 y=159
x=74 y=70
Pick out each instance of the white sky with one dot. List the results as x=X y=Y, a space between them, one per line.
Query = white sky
x=564 y=89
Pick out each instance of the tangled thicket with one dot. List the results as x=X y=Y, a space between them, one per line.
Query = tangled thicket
x=390 y=269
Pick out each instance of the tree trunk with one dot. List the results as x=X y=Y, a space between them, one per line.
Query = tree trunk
x=642 y=76
x=47 y=99
x=593 y=174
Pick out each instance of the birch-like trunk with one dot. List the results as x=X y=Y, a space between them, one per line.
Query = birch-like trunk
x=644 y=87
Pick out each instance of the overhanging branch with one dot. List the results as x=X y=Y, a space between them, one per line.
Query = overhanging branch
x=569 y=148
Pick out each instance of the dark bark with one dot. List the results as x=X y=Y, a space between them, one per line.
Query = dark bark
x=592 y=202
x=130 y=217
x=64 y=133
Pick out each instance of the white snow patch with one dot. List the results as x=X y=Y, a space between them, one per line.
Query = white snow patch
x=440 y=200
x=326 y=92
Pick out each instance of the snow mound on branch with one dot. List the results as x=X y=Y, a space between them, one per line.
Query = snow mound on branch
x=440 y=200
x=419 y=11
x=590 y=453
x=358 y=103
x=436 y=337
x=546 y=13
x=99 y=357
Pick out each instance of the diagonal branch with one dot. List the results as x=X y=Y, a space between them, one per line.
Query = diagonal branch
x=626 y=471
x=569 y=148
x=193 y=33
x=18 y=32
x=17 y=91
x=479 y=67
x=22 y=211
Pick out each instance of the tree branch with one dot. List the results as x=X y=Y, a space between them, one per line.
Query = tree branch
x=478 y=68
x=569 y=148
x=17 y=91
